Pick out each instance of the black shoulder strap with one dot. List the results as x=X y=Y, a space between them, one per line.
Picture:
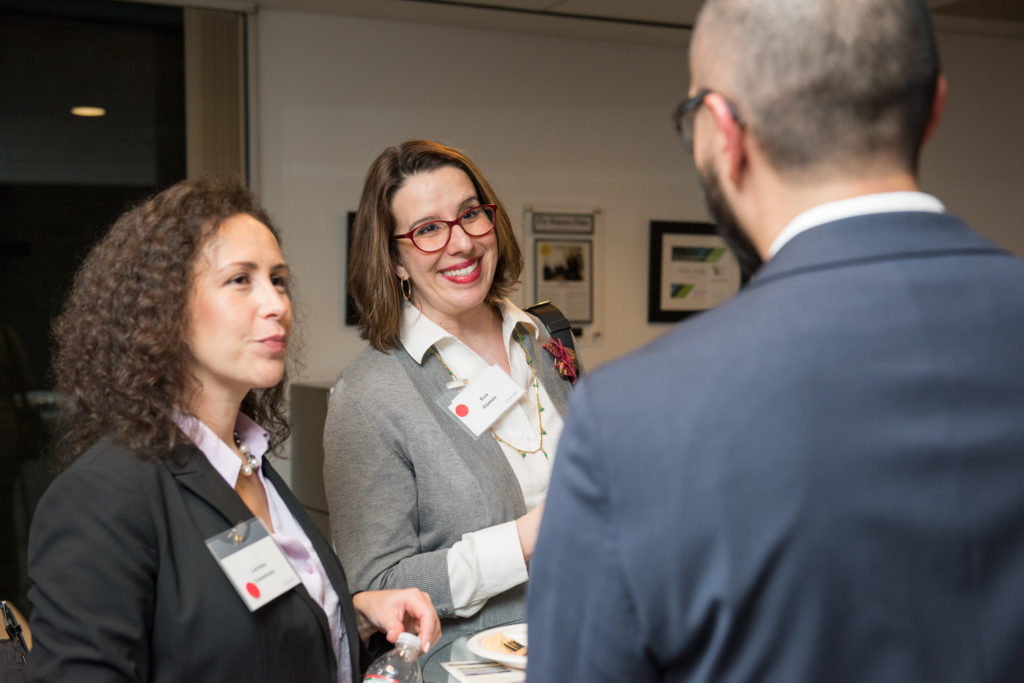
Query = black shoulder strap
x=558 y=326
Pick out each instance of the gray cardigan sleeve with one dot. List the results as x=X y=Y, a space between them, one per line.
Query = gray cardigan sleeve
x=372 y=499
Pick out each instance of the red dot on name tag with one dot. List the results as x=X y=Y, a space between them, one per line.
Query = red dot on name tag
x=253 y=590
x=461 y=410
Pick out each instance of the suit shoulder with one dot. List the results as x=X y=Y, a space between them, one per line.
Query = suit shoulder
x=107 y=487
x=660 y=353
x=109 y=457
x=105 y=472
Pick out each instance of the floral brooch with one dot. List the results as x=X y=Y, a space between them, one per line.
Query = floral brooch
x=565 y=359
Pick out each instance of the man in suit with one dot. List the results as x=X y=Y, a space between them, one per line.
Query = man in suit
x=823 y=478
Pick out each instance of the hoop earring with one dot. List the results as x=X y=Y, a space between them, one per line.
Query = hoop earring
x=406 y=287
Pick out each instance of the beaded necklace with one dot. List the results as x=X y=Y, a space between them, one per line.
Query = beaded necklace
x=250 y=464
x=536 y=392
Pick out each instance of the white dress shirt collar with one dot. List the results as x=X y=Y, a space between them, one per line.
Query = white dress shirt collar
x=884 y=202
x=419 y=333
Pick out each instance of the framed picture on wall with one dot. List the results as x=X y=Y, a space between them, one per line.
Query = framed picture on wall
x=564 y=275
x=691 y=270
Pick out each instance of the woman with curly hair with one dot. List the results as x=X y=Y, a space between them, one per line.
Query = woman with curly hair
x=169 y=549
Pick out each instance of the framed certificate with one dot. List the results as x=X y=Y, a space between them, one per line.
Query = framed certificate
x=691 y=270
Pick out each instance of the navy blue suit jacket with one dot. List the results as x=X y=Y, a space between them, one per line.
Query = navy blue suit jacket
x=820 y=480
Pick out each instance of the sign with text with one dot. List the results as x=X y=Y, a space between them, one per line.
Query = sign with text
x=563 y=222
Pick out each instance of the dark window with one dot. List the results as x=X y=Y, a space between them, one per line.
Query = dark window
x=63 y=180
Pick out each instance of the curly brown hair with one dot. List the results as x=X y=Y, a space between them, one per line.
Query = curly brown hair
x=371 y=276
x=122 y=363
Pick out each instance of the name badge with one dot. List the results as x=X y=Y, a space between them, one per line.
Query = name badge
x=485 y=399
x=254 y=564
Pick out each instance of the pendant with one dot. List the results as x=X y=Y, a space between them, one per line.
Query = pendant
x=250 y=465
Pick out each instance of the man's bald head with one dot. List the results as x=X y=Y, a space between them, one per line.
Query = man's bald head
x=823 y=84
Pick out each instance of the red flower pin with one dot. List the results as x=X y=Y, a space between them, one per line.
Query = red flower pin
x=565 y=359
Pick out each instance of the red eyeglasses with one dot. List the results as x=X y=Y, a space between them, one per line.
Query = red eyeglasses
x=434 y=235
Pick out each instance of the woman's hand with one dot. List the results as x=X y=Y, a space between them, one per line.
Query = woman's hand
x=394 y=611
x=528 y=525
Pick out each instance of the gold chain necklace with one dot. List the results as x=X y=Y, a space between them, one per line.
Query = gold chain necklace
x=536 y=392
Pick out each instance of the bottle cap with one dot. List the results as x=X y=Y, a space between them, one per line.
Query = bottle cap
x=410 y=639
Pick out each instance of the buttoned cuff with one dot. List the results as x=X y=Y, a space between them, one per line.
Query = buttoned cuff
x=484 y=563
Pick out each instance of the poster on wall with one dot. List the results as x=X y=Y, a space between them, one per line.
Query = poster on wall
x=564 y=276
x=691 y=270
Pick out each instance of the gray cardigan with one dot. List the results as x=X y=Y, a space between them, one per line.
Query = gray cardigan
x=404 y=481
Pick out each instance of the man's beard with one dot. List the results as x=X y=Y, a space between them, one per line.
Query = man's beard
x=726 y=225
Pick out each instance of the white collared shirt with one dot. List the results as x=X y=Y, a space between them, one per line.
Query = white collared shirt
x=490 y=561
x=883 y=202
x=288 y=534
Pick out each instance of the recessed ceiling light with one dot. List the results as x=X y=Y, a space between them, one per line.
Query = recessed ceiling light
x=88 y=111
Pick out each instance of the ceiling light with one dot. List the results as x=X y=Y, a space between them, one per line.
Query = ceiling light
x=88 y=111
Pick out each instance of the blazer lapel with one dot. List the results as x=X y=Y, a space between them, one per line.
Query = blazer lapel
x=331 y=565
x=192 y=470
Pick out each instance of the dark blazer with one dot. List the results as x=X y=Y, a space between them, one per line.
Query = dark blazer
x=820 y=480
x=125 y=589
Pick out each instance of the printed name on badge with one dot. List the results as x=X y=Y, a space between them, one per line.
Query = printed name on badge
x=254 y=564
x=485 y=399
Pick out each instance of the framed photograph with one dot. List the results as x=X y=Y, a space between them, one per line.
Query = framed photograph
x=691 y=270
x=563 y=222
x=564 y=275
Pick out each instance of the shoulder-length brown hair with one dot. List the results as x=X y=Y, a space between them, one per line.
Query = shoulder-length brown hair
x=122 y=362
x=371 y=274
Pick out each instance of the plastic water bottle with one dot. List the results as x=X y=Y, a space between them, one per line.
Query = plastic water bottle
x=399 y=665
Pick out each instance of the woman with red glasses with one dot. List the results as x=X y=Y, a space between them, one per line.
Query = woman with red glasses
x=441 y=434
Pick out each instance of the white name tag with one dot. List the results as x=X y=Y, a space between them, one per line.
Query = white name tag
x=253 y=563
x=485 y=399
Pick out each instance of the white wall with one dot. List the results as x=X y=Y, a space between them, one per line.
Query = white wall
x=975 y=163
x=552 y=122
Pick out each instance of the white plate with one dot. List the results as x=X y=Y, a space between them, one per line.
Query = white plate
x=516 y=631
